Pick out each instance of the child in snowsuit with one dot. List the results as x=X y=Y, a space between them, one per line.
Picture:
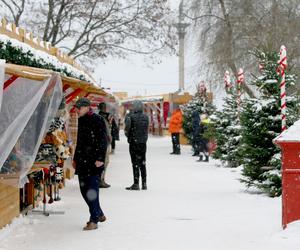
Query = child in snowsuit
x=203 y=142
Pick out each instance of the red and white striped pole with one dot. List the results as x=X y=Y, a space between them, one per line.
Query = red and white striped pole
x=282 y=66
x=227 y=81
x=240 y=80
x=202 y=88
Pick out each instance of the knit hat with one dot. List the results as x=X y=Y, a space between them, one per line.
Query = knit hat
x=137 y=106
x=102 y=106
x=82 y=102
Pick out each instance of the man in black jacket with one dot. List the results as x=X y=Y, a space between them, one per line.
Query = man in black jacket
x=89 y=158
x=136 y=130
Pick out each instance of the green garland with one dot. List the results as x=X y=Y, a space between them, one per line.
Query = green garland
x=17 y=56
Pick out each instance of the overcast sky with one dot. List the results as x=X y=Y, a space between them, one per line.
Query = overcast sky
x=137 y=78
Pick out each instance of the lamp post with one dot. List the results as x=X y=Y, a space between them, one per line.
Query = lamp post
x=181 y=31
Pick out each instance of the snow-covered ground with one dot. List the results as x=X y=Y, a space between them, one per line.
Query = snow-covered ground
x=188 y=205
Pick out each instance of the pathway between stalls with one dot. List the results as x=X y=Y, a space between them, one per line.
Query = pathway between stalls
x=188 y=205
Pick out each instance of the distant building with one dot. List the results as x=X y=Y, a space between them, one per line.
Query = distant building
x=121 y=95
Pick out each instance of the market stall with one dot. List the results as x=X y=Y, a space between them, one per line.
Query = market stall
x=38 y=88
x=152 y=108
x=158 y=108
x=37 y=135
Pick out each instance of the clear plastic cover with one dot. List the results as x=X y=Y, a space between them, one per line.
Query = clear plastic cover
x=28 y=108
x=2 y=72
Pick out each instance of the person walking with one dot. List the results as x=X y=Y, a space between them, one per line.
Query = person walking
x=89 y=158
x=174 y=128
x=114 y=131
x=105 y=115
x=196 y=132
x=136 y=131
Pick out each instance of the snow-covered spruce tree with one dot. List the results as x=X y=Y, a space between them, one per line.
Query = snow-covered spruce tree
x=227 y=132
x=261 y=123
x=201 y=103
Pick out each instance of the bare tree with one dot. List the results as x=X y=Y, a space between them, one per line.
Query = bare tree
x=229 y=29
x=90 y=29
x=15 y=7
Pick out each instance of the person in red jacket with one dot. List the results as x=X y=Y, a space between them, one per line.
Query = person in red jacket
x=174 y=128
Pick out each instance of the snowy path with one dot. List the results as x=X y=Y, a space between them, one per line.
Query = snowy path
x=188 y=205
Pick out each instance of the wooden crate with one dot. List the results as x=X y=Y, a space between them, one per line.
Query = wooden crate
x=9 y=203
x=183 y=140
x=68 y=169
x=32 y=198
x=70 y=173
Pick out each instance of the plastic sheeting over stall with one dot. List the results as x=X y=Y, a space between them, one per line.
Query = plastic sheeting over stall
x=2 y=73
x=28 y=107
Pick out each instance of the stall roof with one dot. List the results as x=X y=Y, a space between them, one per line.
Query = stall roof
x=41 y=74
x=144 y=99
x=292 y=134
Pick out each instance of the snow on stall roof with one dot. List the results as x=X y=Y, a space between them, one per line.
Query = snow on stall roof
x=292 y=134
x=144 y=99
x=41 y=55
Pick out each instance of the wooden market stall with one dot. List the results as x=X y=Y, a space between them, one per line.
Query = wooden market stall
x=37 y=117
x=14 y=199
x=159 y=109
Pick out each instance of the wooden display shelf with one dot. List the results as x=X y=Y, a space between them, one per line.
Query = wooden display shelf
x=10 y=179
x=37 y=166
x=9 y=203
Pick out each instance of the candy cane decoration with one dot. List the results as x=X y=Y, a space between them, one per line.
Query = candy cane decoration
x=227 y=81
x=202 y=88
x=261 y=67
x=282 y=66
x=240 y=80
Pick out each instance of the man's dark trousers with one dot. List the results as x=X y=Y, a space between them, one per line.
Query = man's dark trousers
x=175 y=142
x=89 y=188
x=138 y=160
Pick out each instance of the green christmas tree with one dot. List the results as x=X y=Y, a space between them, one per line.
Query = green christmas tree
x=261 y=123
x=227 y=131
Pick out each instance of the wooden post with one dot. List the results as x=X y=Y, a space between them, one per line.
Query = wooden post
x=53 y=51
x=72 y=95
x=13 y=28
x=4 y=23
x=22 y=34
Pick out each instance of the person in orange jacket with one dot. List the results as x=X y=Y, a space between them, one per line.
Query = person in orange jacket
x=174 y=128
